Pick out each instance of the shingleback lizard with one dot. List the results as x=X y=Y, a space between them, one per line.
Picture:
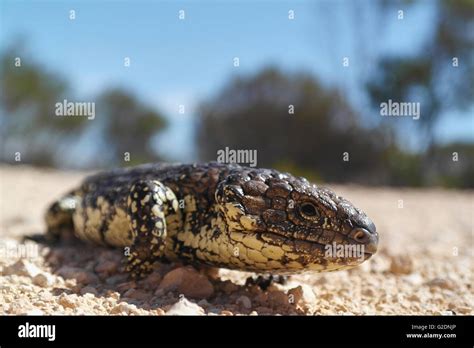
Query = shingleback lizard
x=215 y=214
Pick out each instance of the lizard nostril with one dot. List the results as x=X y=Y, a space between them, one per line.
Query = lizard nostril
x=361 y=235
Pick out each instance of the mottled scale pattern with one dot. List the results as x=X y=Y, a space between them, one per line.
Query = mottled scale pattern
x=216 y=214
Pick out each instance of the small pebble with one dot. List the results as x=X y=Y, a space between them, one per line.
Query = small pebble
x=113 y=294
x=43 y=280
x=302 y=294
x=108 y=267
x=413 y=297
x=244 y=301
x=160 y=311
x=278 y=298
x=136 y=294
x=203 y=303
x=78 y=274
x=159 y=292
x=187 y=281
x=228 y=287
x=34 y=311
x=401 y=264
x=369 y=292
x=152 y=281
x=413 y=279
x=185 y=307
x=89 y=290
x=67 y=301
x=124 y=308
x=440 y=283
x=116 y=279
x=126 y=286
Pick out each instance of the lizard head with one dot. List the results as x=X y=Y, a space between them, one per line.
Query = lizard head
x=282 y=223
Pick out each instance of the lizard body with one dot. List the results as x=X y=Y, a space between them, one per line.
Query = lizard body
x=216 y=214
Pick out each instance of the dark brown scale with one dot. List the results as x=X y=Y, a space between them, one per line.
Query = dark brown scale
x=254 y=205
x=279 y=203
x=254 y=188
x=272 y=216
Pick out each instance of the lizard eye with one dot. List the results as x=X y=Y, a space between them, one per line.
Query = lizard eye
x=308 y=210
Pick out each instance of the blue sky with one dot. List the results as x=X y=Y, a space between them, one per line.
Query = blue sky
x=182 y=62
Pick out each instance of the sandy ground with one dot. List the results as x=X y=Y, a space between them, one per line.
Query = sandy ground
x=424 y=264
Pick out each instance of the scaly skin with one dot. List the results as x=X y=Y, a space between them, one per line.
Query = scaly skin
x=215 y=214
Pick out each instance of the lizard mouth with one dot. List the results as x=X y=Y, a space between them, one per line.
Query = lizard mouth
x=353 y=253
x=298 y=245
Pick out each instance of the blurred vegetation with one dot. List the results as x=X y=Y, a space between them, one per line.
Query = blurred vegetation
x=430 y=76
x=27 y=104
x=123 y=124
x=253 y=113
x=129 y=127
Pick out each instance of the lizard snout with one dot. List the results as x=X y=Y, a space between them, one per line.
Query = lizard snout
x=368 y=237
